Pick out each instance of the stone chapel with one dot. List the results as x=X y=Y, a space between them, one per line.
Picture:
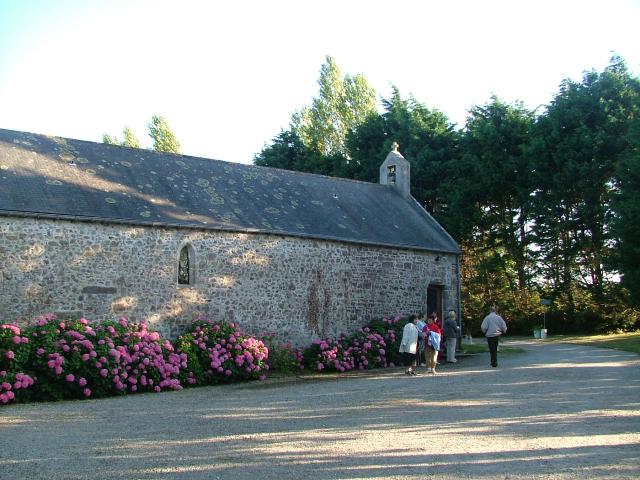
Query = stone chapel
x=103 y=231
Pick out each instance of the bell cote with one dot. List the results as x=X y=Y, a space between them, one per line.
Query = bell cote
x=396 y=171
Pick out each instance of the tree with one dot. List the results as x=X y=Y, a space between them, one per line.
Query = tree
x=485 y=191
x=626 y=226
x=286 y=151
x=163 y=138
x=342 y=105
x=426 y=137
x=578 y=144
x=129 y=139
x=495 y=149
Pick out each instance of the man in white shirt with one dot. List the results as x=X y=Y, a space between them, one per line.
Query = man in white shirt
x=493 y=326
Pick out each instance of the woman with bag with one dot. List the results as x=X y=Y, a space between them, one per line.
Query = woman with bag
x=433 y=335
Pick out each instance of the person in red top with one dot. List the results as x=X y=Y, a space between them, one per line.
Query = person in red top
x=431 y=352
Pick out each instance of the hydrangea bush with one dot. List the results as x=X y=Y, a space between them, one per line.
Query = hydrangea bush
x=373 y=346
x=15 y=349
x=283 y=356
x=390 y=328
x=74 y=359
x=221 y=352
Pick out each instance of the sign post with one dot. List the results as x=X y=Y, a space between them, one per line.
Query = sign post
x=546 y=302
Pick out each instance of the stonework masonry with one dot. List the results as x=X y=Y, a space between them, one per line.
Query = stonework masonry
x=300 y=288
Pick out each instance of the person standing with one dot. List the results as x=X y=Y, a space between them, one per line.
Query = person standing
x=421 y=341
x=409 y=345
x=432 y=335
x=450 y=332
x=492 y=327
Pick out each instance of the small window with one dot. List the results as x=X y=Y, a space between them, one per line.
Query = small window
x=185 y=266
x=391 y=175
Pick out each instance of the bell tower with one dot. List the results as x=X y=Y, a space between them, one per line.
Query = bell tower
x=396 y=171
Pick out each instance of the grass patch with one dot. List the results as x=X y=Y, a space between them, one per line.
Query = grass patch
x=628 y=342
x=475 y=347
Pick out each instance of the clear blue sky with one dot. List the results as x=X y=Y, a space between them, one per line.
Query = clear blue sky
x=228 y=75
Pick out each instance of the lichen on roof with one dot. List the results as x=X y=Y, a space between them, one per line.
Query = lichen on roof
x=74 y=179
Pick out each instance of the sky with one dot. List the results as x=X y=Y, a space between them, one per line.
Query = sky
x=228 y=75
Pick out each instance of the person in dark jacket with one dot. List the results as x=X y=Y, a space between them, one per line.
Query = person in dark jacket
x=450 y=332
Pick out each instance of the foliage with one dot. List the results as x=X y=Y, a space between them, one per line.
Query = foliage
x=283 y=357
x=578 y=144
x=342 y=104
x=73 y=358
x=373 y=346
x=485 y=282
x=129 y=139
x=220 y=352
x=15 y=350
x=286 y=151
x=164 y=140
x=163 y=137
x=626 y=224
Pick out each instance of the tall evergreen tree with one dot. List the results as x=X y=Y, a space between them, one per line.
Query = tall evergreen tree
x=486 y=192
x=286 y=151
x=578 y=145
x=426 y=137
x=494 y=146
x=626 y=227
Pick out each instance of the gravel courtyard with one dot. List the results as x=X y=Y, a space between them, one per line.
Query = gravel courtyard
x=557 y=411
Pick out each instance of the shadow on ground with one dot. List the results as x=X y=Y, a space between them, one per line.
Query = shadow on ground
x=557 y=411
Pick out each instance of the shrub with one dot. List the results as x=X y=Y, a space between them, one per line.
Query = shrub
x=329 y=355
x=283 y=357
x=15 y=348
x=375 y=345
x=391 y=331
x=221 y=352
x=367 y=349
x=74 y=359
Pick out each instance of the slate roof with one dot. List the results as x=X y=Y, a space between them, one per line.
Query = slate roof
x=79 y=180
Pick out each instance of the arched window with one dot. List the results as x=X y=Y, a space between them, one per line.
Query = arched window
x=186 y=266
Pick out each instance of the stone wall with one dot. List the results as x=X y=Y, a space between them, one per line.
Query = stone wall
x=300 y=288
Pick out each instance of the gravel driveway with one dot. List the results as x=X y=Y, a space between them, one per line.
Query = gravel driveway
x=558 y=411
